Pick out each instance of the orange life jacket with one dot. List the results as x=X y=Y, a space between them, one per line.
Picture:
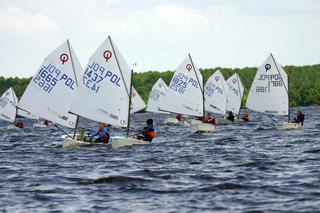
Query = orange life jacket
x=151 y=134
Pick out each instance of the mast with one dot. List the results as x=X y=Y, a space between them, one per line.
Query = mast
x=128 y=91
x=76 y=80
x=201 y=88
x=287 y=89
x=15 y=104
x=288 y=99
x=129 y=108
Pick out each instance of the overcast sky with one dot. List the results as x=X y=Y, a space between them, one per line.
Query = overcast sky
x=158 y=34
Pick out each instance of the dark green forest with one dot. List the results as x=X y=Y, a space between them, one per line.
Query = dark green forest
x=304 y=82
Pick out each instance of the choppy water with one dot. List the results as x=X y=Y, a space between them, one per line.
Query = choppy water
x=240 y=168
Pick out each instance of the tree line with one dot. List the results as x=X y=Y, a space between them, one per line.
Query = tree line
x=304 y=82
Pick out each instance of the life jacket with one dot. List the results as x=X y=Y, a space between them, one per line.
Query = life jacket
x=151 y=132
x=106 y=136
x=20 y=125
x=212 y=120
x=179 y=117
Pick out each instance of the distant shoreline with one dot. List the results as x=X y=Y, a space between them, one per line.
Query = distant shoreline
x=304 y=83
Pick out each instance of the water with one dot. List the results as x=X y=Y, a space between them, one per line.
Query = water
x=240 y=168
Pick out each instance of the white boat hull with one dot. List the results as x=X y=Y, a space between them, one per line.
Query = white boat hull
x=37 y=125
x=288 y=126
x=118 y=142
x=191 y=122
x=195 y=122
x=12 y=126
x=203 y=128
x=171 y=121
x=223 y=121
x=115 y=142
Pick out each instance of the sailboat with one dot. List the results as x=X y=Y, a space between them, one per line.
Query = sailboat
x=9 y=111
x=269 y=92
x=158 y=91
x=104 y=94
x=185 y=94
x=235 y=94
x=50 y=91
x=137 y=104
x=216 y=95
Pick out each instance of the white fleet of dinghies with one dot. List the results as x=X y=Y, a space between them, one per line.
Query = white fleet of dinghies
x=50 y=91
x=185 y=95
x=158 y=91
x=104 y=95
x=235 y=94
x=269 y=92
x=9 y=111
x=216 y=95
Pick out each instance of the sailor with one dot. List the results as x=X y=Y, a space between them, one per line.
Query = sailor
x=230 y=116
x=20 y=124
x=47 y=123
x=102 y=135
x=245 y=116
x=148 y=132
x=300 y=118
x=179 y=117
x=211 y=119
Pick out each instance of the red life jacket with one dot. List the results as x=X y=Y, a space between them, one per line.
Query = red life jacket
x=106 y=136
x=20 y=125
x=179 y=117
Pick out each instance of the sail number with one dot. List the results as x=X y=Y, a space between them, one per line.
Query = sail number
x=274 y=80
x=155 y=94
x=180 y=81
x=234 y=90
x=210 y=88
x=48 y=77
x=95 y=74
x=4 y=101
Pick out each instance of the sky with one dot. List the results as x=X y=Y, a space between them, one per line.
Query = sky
x=158 y=34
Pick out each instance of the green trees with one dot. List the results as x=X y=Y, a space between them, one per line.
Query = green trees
x=304 y=82
x=18 y=84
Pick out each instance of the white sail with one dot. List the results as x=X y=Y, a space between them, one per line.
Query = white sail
x=268 y=92
x=103 y=92
x=8 y=103
x=158 y=91
x=26 y=114
x=235 y=93
x=184 y=94
x=215 y=93
x=49 y=93
x=137 y=103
